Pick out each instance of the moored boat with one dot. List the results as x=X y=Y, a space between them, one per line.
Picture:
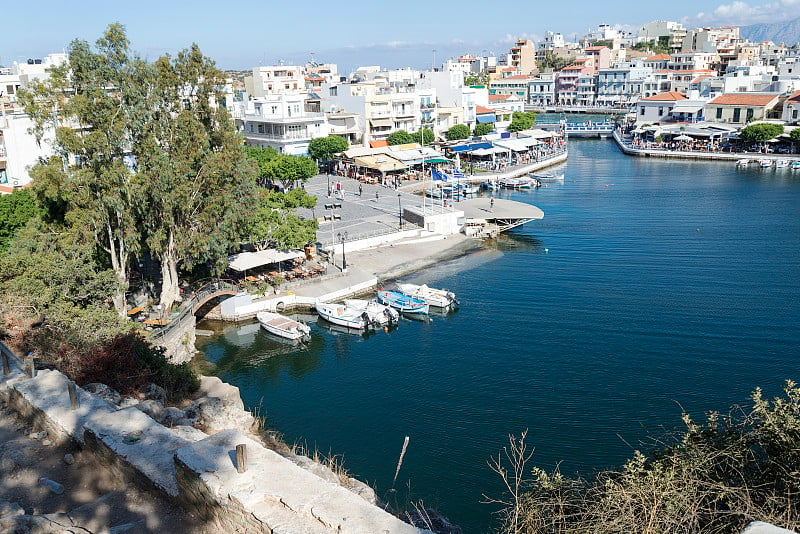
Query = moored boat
x=795 y=165
x=379 y=314
x=781 y=163
x=440 y=298
x=743 y=163
x=401 y=302
x=282 y=326
x=343 y=315
x=765 y=163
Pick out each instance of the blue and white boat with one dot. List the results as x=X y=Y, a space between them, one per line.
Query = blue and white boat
x=795 y=165
x=439 y=298
x=343 y=315
x=402 y=303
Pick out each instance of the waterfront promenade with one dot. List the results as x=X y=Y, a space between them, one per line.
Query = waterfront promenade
x=627 y=145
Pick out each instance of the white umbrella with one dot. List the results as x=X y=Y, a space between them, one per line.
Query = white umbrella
x=684 y=137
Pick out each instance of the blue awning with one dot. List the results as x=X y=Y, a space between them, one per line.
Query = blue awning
x=460 y=148
x=485 y=119
x=476 y=146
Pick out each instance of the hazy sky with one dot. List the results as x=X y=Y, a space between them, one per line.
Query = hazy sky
x=240 y=35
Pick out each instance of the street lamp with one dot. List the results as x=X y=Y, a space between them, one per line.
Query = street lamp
x=400 y=210
x=343 y=237
x=332 y=217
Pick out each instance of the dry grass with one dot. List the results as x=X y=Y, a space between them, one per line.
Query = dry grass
x=714 y=477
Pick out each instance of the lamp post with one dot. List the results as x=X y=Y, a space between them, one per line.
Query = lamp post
x=343 y=237
x=400 y=210
x=332 y=217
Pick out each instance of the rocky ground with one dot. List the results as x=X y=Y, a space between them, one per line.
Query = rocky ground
x=83 y=496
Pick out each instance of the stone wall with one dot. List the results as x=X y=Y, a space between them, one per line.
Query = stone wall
x=274 y=494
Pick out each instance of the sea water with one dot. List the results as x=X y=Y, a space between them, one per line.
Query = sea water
x=650 y=287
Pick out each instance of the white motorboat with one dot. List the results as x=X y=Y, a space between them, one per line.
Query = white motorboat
x=795 y=165
x=441 y=298
x=765 y=163
x=282 y=326
x=343 y=315
x=743 y=163
x=781 y=163
x=379 y=314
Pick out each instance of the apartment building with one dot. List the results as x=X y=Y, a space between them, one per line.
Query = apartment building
x=621 y=86
x=542 y=90
x=279 y=121
x=278 y=79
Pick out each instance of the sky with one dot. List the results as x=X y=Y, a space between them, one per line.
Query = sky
x=416 y=33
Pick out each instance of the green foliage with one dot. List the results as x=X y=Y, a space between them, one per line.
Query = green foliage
x=714 y=477
x=424 y=136
x=128 y=363
x=15 y=210
x=761 y=132
x=262 y=157
x=795 y=135
x=457 y=131
x=522 y=120
x=276 y=224
x=324 y=148
x=482 y=129
x=660 y=47
x=482 y=78
x=400 y=137
x=98 y=90
x=289 y=170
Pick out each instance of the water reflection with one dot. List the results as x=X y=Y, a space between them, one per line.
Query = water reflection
x=247 y=350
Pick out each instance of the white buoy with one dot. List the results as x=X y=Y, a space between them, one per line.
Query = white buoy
x=546 y=250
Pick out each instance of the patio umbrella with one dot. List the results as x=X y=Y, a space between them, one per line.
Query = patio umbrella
x=684 y=137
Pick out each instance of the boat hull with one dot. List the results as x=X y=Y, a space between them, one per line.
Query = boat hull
x=281 y=326
x=402 y=303
x=342 y=316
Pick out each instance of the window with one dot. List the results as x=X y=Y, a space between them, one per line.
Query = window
x=737 y=114
x=719 y=113
x=794 y=113
x=749 y=115
x=641 y=111
x=660 y=110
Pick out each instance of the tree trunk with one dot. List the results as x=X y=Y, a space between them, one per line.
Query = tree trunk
x=119 y=262
x=169 y=276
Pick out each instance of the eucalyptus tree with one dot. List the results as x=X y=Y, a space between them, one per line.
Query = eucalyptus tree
x=199 y=188
x=87 y=102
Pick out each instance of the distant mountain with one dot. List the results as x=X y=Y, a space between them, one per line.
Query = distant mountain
x=778 y=32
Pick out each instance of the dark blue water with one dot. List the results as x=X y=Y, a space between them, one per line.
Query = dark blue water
x=649 y=286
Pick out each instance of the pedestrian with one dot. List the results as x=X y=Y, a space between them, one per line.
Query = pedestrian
x=377 y=196
x=491 y=204
x=360 y=189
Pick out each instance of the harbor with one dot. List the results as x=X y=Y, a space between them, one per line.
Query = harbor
x=586 y=327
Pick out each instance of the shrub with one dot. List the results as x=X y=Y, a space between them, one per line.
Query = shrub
x=128 y=363
x=714 y=477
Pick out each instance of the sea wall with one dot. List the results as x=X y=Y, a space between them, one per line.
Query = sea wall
x=260 y=491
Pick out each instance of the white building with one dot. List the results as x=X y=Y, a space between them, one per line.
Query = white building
x=657 y=108
x=542 y=90
x=621 y=86
x=278 y=79
x=281 y=122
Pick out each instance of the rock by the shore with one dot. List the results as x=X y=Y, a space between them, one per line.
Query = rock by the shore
x=104 y=392
x=218 y=407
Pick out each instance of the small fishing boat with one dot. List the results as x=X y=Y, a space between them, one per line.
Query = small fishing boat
x=523 y=182
x=765 y=163
x=743 y=163
x=343 y=315
x=795 y=165
x=401 y=302
x=781 y=163
x=548 y=177
x=466 y=188
x=282 y=326
x=440 y=298
x=379 y=314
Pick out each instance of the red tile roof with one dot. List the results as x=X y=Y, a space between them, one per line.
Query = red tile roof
x=744 y=99
x=509 y=69
x=794 y=97
x=378 y=143
x=658 y=57
x=480 y=110
x=596 y=48
x=498 y=98
x=669 y=96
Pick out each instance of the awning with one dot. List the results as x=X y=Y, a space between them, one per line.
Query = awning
x=485 y=119
x=686 y=108
x=381 y=123
x=251 y=260
x=489 y=151
x=528 y=141
x=437 y=160
x=512 y=144
x=364 y=151
x=537 y=133
x=381 y=162
x=460 y=148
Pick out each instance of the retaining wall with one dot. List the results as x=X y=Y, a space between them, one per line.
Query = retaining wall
x=273 y=494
